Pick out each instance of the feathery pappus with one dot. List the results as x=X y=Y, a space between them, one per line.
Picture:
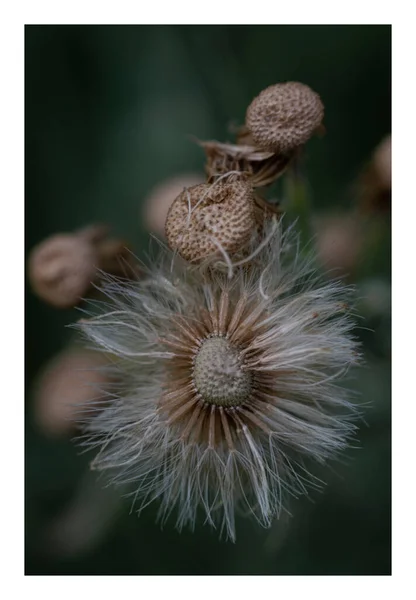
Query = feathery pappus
x=229 y=382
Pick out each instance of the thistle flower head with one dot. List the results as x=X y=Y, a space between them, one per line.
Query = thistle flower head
x=228 y=384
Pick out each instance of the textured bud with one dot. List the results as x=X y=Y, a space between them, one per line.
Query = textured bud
x=218 y=374
x=206 y=217
x=284 y=116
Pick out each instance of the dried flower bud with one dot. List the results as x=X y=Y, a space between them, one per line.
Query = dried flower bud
x=62 y=268
x=160 y=199
x=69 y=380
x=284 y=116
x=205 y=218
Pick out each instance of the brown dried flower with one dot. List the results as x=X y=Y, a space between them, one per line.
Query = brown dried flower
x=260 y=167
x=284 y=116
x=62 y=268
x=208 y=218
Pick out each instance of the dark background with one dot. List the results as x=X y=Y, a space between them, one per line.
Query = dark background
x=109 y=114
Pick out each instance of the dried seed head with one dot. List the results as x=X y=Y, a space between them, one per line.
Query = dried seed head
x=207 y=217
x=284 y=116
x=226 y=387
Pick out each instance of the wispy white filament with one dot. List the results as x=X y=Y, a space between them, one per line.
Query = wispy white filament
x=295 y=340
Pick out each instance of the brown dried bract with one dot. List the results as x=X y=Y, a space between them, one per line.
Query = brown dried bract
x=260 y=167
x=284 y=116
x=209 y=218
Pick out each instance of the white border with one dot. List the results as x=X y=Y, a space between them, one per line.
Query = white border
x=12 y=295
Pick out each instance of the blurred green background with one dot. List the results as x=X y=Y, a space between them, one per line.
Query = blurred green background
x=109 y=114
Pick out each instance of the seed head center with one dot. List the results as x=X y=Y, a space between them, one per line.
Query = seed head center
x=218 y=374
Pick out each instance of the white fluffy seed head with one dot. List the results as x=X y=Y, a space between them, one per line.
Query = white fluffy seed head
x=228 y=386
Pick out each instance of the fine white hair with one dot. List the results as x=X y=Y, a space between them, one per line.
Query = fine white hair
x=157 y=433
